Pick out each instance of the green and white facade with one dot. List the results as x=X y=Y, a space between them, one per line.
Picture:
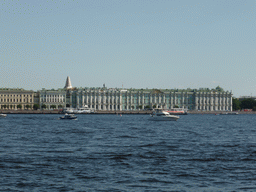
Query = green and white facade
x=119 y=99
x=50 y=98
x=140 y=99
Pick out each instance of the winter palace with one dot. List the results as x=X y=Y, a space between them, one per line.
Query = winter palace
x=118 y=99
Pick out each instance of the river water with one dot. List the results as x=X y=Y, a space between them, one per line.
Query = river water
x=127 y=153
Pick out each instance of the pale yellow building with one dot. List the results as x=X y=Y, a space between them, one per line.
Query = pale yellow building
x=12 y=99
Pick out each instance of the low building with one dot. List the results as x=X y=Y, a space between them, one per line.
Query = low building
x=13 y=99
x=52 y=99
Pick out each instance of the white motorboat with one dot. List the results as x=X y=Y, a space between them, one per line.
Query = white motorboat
x=161 y=115
x=69 y=110
x=68 y=116
x=84 y=109
x=3 y=115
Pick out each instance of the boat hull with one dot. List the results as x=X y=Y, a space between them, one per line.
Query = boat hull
x=229 y=113
x=83 y=111
x=3 y=115
x=174 y=118
x=70 y=118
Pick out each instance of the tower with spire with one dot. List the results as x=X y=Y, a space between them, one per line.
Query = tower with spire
x=68 y=83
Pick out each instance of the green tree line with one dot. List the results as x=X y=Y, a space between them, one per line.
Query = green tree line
x=244 y=104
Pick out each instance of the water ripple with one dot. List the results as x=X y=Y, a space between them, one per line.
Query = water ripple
x=106 y=153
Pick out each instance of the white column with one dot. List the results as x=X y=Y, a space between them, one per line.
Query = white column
x=112 y=102
x=196 y=102
x=94 y=99
x=120 y=101
x=164 y=103
x=211 y=102
x=83 y=99
x=116 y=102
x=104 y=101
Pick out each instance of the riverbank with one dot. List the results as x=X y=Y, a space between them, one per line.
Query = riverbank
x=60 y=112
x=111 y=112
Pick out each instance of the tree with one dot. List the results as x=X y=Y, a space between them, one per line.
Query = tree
x=140 y=106
x=43 y=106
x=3 y=106
x=36 y=106
x=28 y=106
x=60 y=106
x=176 y=106
x=53 y=106
x=154 y=106
x=19 y=106
x=236 y=104
x=10 y=106
x=147 y=107
x=248 y=103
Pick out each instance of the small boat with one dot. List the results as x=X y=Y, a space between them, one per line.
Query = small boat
x=161 y=115
x=84 y=110
x=69 y=110
x=68 y=116
x=230 y=113
x=3 y=115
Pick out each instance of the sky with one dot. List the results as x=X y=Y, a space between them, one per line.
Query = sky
x=165 y=44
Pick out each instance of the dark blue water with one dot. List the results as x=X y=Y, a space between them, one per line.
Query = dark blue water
x=128 y=153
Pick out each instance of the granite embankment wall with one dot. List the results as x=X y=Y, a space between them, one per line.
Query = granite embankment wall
x=108 y=112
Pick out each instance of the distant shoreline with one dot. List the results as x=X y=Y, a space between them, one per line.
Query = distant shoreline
x=111 y=112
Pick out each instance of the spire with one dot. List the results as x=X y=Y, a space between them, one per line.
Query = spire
x=68 y=83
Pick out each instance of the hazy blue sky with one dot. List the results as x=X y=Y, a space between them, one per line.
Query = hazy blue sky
x=137 y=43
